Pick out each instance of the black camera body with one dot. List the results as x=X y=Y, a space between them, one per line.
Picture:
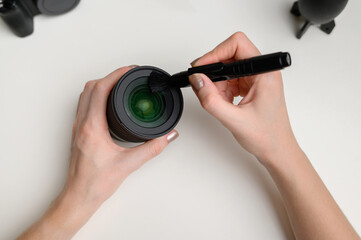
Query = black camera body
x=19 y=14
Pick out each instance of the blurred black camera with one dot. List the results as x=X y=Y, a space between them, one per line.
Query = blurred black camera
x=19 y=14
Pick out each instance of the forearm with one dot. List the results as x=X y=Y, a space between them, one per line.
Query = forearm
x=67 y=214
x=313 y=212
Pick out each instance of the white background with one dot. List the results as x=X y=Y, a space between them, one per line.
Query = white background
x=203 y=186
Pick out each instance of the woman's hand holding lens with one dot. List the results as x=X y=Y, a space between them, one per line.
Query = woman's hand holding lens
x=97 y=165
x=260 y=121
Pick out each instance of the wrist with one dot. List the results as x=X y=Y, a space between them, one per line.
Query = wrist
x=283 y=154
x=66 y=215
x=75 y=208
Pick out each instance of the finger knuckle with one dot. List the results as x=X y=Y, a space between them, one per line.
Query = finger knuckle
x=238 y=35
x=100 y=86
x=209 y=102
x=87 y=127
x=89 y=85
x=85 y=135
x=156 y=149
x=85 y=130
x=75 y=125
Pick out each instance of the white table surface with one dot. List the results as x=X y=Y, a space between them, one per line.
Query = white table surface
x=203 y=186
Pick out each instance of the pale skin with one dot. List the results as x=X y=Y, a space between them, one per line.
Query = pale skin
x=259 y=123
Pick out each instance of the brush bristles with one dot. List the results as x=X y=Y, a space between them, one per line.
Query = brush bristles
x=158 y=82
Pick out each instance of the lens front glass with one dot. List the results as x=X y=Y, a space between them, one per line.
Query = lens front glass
x=143 y=107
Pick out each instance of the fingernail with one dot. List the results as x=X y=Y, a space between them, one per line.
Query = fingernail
x=133 y=66
x=196 y=81
x=194 y=61
x=172 y=136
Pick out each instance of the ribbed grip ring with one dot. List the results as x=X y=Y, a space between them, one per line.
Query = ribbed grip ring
x=117 y=129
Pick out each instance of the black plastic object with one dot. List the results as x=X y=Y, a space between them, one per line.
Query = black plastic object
x=56 y=7
x=318 y=12
x=224 y=71
x=135 y=114
x=19 y=14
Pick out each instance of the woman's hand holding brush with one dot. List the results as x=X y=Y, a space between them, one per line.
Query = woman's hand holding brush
x=260 y=121
x=260 y=124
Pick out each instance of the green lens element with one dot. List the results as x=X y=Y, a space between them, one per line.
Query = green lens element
x=145 y=108
x=144 y=105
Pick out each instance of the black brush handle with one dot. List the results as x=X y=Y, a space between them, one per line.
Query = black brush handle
x=226 y=71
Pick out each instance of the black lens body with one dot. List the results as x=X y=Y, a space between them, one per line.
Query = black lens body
x=135 y=114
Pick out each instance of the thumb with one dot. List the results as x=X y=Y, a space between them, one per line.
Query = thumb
x=210 y=98
x=154 y=147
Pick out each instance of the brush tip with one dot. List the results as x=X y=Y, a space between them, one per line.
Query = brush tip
x=157 y=82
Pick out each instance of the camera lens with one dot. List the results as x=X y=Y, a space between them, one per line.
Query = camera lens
x=147 y=109
x=135 y=114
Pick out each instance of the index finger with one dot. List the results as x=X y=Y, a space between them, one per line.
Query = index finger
x=236 y=47
x=101 y=91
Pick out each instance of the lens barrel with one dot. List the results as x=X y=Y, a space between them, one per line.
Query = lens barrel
x=135 y=114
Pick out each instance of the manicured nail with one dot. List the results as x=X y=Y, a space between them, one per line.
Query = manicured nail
x=196 y=81
x=194 y=61
x=172 y=136
x=133 y=66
